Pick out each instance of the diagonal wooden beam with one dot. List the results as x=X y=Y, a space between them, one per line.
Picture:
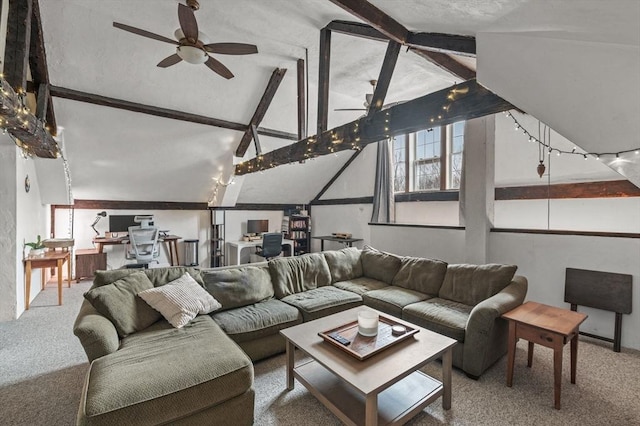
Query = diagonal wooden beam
x=323 y=80
x=256 y=140
x=356 y=29
x=76 y=95
x=384 y=79
x=446 y=62
x=446 y=43
x=38 y=63
x=376 y=18
x=460 y=102
x=261 y=109
x=18 y=42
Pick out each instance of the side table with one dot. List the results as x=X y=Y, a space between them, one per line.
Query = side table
x=50 y=259
x=547 y=326
x=88 y=261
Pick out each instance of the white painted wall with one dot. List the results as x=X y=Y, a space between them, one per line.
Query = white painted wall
x=351 y=218
x=357 y=180
x=188 y=224
x=544 y=258
x=432 y=213
x=435 y=243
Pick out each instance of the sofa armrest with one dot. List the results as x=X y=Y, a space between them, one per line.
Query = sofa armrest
x=97 y=334
x=482 y=334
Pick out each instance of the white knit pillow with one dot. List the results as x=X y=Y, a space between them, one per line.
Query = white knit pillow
x=179 y=301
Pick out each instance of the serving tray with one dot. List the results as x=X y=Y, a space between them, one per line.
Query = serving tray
x=363 y=347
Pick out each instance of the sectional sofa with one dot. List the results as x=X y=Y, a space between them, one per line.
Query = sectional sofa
x=144 y=371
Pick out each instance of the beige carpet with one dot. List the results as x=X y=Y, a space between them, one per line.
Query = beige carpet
x=42 y=367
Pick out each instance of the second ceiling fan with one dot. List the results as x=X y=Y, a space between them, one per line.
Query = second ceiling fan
x=194 y=46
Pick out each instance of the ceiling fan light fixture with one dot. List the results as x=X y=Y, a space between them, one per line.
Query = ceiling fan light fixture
x=192 y=55
x=179 y=35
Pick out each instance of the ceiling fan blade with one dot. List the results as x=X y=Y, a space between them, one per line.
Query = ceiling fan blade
x=231 y=48
x=218 y=67
x=144 y=33
x=188 y=22
x=169 y=60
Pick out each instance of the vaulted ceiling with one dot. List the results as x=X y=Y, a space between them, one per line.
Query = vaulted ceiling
x=116 y=154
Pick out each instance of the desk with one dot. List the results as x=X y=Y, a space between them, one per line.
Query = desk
x=547 y=326
x=238 y=246
x=346 y=241
x=171 y=240
x=50 y=259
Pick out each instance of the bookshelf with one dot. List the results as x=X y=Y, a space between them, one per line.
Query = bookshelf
x=300 y=232
x=217 y=238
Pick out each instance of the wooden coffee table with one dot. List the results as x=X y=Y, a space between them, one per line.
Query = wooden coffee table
x=547 y=326
x=384 y=389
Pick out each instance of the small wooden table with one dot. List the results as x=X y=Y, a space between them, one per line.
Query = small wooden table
x=348 y=242
x=387 y=388
x=50 y=259
x=547 y=326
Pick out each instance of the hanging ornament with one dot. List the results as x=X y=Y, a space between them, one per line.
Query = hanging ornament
x=541 y=168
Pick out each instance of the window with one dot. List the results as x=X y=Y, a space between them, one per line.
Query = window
x=429 y=160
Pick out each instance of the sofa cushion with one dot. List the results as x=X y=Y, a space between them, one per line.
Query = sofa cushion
x=290 y=275
x=379 y=265
x=392 y=299
x=471 y=284
x=119 y=302
x=420 y=274
x=257 y=320
x=158 y=276
x=239 y=286
x=443 y=316
x=199 y=365
x=323 y=301
x=360 y=285
x=344 y=264
x=179 y=301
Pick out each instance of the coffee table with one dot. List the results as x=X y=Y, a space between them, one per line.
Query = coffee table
x=384 y=389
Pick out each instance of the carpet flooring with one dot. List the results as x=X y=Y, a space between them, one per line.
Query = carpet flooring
x=42 y=368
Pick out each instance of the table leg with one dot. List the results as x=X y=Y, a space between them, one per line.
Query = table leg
x=321 y=245
x=27 y=284
x=371 y=410
x=99 y=247
x=69 y=271
x=530 y=355
x=447 y=364
x=290 y=363
x=175 y=247
x=170 y=247
x=43 y=278
x=60 y=281
x=512 y=352
x=574 y=357
x=557 y=373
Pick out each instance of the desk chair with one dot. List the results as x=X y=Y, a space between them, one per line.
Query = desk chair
x=143 y=242
x=271 y=247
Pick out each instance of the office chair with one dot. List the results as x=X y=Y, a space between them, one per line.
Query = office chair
x=143 y=241
x=271 y=246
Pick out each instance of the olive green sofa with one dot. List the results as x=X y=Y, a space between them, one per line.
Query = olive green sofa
x=147 y=372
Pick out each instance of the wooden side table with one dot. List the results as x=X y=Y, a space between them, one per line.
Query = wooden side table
x=547 y=326
x=88 y=261
x=50 y=259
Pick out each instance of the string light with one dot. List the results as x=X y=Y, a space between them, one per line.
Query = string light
x=597 y=155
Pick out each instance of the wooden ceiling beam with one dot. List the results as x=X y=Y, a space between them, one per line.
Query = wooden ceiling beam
x=261 y=109
x=446 y=62
x=356 y=29
x=445 y=43
x=17 y=44
x=323 y=80
x=302 y=109
x=460 y=102
x=376 y=18
x=76 y=95
x=38 y=64
x=384 y=79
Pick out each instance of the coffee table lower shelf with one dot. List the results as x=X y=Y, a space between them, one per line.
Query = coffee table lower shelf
x=396 y=404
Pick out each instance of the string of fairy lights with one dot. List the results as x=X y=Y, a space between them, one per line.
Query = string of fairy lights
x=547 y=145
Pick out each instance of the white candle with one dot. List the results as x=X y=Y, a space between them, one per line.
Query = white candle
x=368 y=323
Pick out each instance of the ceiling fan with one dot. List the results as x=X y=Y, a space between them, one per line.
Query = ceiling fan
x=193 y=46
x=367 y=101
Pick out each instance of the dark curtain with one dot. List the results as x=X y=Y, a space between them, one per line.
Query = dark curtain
x=384 y=208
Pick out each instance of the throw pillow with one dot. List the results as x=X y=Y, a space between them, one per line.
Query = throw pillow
x=471 y=284
x=179 y=301
x=379 y=265
x=118 y=302
x=344 y=264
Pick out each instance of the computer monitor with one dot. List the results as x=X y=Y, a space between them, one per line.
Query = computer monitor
x=121 y=223
x=257 y=226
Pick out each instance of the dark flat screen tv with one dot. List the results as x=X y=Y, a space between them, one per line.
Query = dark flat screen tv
x=121 y=223
x=257 y=226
